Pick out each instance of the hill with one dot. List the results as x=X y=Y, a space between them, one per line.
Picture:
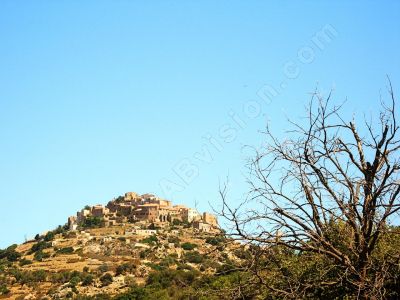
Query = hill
x=107 y=252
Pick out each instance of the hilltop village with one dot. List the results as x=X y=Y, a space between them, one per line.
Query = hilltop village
x=117 y=248
x=142 y=210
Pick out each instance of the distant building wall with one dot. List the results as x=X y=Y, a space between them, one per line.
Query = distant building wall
x=210 y=219
x=202 y=226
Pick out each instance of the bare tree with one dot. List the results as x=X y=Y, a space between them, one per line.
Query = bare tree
x=326 y=172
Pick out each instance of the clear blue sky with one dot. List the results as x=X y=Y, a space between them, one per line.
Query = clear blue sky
x=102 y=97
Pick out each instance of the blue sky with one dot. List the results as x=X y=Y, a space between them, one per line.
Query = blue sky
x=102 y=97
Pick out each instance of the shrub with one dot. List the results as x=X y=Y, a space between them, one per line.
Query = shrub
x=10 y=254
x=66 y=250
x=74 y=281
x=194 y=257
x=13 y=256
x=184 y=267
x=150 y=240
x=61 y=229
x=215 y=240
x=39 y=276
x=242 y=253
x=135 y=293
x=208 y=263
x=40 y=255
x=4 y=290
x=167 y=278
x=28 y=277
x=92 y=222
x=49 y=236
x=155 y=266
x=24 y=262
x=62 y=277
x=226 y=268
x=188 y=246
x=87 y=279
x=143 y=254
x=103 y=268
x=177 y=222
x=175 y=240
x=106 y=279
x=40 y=246
x=168 y=261
x=124 y=268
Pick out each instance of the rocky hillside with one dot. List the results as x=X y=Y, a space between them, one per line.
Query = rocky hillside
x=115 y=262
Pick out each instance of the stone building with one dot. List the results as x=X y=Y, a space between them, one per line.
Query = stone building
x=202 y=226
x=72 y=223
x=210 y=219
x=148 y=212
x=99 y=211
x=190 y=215
x=81 y=215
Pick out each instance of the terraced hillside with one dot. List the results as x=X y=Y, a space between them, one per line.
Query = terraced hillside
x=114 y=260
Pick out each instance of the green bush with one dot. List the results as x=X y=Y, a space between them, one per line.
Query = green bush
x=61 y=277
x=106 y=279
x=134 y=293
x=194 y=257
x=241 y=253
x=13 y=256
x=61 y=229
x=168 y=261
x=66 y=250
x=10 y=253
x=215 y=240
x=150 y=240
x=124 y=268
x=39 y=276
x=69 y=295
x=103 y=268
x=40 y=246
x=188 y=246
x=96 y=297
x=168 y=277
x=49 y=236
x=28 y=277
x=92 y=222
x=24 y=262
x=40 y=255
x=4 y=290
x=143 y=254
x=87 y=279
x=74 y=281
x=182 y=266
x=155 y=266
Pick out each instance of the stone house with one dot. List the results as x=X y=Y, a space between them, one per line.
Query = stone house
x=202 y=226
